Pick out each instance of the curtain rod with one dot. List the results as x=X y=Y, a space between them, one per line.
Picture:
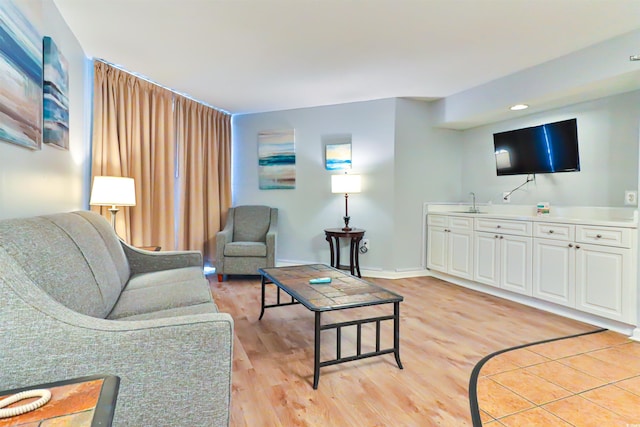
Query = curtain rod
x=120 y=67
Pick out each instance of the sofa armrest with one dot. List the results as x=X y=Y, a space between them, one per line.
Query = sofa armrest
x=173 y=371
x=142 y=261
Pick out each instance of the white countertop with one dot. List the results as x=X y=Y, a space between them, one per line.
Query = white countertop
x=604 y=216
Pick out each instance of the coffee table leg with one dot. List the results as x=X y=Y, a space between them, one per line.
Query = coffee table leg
x=316 y=353
x=396 y=333
x=263 y=292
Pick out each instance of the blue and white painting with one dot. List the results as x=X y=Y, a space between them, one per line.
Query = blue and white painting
x=20 y=78
x=338 y=156
x=276 y=160
x=56 y=99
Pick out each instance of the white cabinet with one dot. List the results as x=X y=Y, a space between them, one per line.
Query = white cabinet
x=450 y=245
x=590 y=268
x=503 y=260
x=586 y=267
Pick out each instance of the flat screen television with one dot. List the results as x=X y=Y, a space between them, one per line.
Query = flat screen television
x=548 y=148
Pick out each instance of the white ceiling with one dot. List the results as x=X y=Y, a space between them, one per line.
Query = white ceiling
x=247 y=56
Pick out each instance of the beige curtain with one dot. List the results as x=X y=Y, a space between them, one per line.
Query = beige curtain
x=134 y=136
x=203 y=137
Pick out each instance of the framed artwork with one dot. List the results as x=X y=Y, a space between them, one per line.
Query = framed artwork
x=20 y=78
x=276 y=160
x=56 y=96
x=338 y=156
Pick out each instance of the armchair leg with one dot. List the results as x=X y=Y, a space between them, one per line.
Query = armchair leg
x=220 y=277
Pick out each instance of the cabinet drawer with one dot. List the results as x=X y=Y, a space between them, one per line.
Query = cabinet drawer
x=437 y=220
x=566 y=232
x=518 y=228
x=608 y=236
x=461 y=223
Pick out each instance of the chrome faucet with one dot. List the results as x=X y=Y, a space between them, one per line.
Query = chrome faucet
x=473 y=206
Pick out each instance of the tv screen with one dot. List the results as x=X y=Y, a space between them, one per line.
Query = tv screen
x=548 y=148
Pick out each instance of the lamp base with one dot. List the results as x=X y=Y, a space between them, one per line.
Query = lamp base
x=346 y=224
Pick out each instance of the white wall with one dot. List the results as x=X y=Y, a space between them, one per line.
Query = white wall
x=49 y=180
x=311 y=207
x=427 y=168
x=608 y=147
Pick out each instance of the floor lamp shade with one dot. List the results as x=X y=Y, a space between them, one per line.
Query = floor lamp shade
x=113 y=191
x=346 y=184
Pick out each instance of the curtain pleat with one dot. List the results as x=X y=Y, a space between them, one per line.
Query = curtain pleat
x=133 y=136
x=203 y=137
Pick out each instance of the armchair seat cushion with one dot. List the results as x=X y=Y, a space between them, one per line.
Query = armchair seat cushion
x=156 y=291
x=245 y=249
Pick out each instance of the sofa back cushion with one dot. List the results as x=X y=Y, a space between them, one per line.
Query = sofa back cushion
x=67 y=257
x=251 y=223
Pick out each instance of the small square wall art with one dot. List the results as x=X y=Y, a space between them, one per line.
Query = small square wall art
x=56 y=96
x=338 y=156
x=276 y=160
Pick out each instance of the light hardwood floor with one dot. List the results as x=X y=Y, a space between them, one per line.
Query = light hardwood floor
x=445 y=330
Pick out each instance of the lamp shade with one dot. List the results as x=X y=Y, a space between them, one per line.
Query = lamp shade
x=345 y=184
x=113 y=191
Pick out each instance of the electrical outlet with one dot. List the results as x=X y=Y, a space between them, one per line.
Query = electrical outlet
x=630 y=198
x=364 y=246
x=506 y=197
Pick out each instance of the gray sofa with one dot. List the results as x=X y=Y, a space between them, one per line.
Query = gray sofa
x=248 y=240
x=75 y=300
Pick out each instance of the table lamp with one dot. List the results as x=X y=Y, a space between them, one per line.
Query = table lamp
x=113 y=191
x=346 y=184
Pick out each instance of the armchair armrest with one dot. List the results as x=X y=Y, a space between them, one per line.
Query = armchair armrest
x=271 y=238
x=222 y=238
x=141 y=261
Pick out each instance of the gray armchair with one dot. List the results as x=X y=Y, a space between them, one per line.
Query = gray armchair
x=248 y=241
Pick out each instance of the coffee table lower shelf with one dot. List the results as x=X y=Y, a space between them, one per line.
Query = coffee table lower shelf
x=270 y=276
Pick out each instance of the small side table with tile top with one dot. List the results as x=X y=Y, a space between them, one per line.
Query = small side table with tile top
x=87 y=401
x=333 y=236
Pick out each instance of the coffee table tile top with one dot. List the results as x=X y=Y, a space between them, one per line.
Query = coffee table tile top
x=343 y=291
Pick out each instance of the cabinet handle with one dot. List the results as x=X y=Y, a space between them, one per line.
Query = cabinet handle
x=550 y=231
x=577 y=246
x=498 y=226
x=598 y=236
x=501 y=237
x=495 y=237
x=570 y=245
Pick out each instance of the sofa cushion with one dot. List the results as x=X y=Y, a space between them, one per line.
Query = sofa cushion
x=111 y=241
x=251 y=223
x=245 y=249
x=56 y=264
x=207 y=307
x=162 y=290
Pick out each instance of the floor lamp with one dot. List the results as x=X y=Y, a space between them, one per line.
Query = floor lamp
x=346 y=184
x=113 y=191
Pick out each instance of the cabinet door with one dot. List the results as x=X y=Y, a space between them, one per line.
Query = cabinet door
x=515 y=264
x=487 y=258
x=601 y=274
x=460 y=260
x=437 y=249
x=554 y=271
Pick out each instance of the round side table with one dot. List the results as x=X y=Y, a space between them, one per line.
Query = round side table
x=333 y=236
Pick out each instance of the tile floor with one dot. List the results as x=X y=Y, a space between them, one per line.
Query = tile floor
x=590 y=380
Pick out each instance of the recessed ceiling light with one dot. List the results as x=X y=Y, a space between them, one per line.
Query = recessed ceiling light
x=518 y=107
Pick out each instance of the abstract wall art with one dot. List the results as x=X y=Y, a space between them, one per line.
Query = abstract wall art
x=338 y=156
x=20 y=78
x=276 y=160
x=56 y=96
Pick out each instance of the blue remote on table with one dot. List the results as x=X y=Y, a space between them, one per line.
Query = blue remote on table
x=320 y=280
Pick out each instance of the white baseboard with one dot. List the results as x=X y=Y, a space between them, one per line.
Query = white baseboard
x=372 y=272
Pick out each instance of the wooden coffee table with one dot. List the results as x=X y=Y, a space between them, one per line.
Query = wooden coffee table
x=344 y=292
